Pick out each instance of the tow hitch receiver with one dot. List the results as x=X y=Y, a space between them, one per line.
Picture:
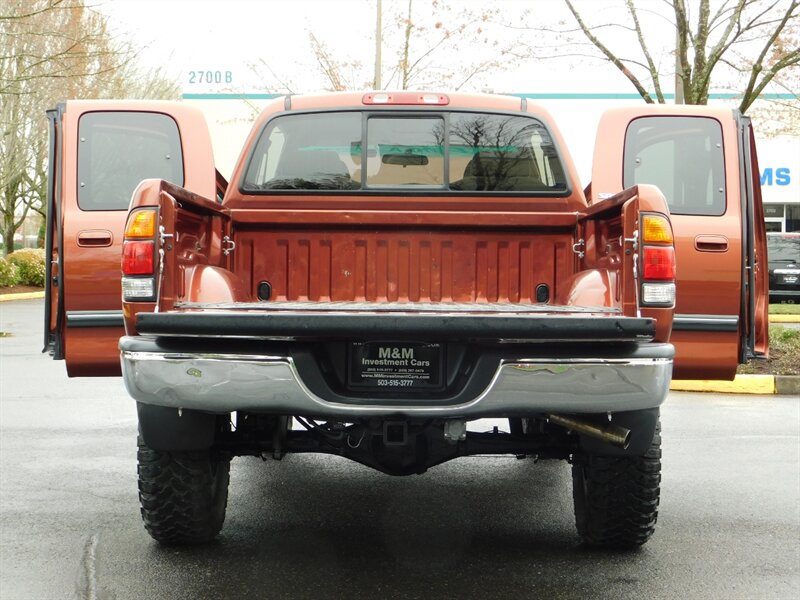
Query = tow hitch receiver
x=395 y=433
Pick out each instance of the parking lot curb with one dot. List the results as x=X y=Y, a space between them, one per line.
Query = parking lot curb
x=22 y=296
x=784 y=318
x=787 y=384
x=762 y=385
x=742 y=384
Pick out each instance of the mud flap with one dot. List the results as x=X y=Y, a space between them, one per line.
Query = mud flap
x=168 y=429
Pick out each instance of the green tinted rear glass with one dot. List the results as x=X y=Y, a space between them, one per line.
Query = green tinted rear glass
x=452 y=152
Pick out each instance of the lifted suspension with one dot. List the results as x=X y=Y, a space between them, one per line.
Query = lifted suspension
x=398 y=447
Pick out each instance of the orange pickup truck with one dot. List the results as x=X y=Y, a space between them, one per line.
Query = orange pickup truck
x=385 y=268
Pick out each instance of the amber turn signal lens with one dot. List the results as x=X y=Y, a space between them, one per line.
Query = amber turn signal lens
x=141 y=224
x=656 y=230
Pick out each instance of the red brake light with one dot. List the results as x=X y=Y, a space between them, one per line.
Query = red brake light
x=405 y=98
x=137 y=258
x=658 y=263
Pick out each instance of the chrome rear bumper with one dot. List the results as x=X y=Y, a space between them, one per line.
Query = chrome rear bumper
x=221 y=383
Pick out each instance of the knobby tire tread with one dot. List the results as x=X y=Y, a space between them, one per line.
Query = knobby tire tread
x=183 y=495
x=616 y=498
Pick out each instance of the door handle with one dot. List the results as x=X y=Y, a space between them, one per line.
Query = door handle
x=711 y=243
x=95 y=238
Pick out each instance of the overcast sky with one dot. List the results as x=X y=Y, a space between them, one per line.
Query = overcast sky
x=188 y=37
x=226 y=38
x=207 y=35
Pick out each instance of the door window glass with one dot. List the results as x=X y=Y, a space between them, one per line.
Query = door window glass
x=683 y=156
x=117 y=150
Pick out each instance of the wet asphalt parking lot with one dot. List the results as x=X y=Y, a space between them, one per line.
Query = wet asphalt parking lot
x=321 y=527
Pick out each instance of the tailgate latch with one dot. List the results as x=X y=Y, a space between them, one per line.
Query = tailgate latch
x=579 y=247
x=231 y=245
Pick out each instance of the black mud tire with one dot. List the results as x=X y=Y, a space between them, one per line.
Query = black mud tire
x=616 y=498
x=183 y=495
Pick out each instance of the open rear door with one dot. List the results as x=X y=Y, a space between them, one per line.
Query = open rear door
x=99 y=152
x=755 y=293
x=703 y=160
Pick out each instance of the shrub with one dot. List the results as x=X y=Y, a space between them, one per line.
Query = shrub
x=784 y=353
x=784 y=344
x=30 y=266
x=8 y=272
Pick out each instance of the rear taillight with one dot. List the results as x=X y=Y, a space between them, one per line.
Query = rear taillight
x=656 y=230
x=138 y=289
x=657 y=261
x=141 y=224
x=139 y=256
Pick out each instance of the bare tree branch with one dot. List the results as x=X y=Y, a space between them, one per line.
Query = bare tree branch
x=54 y=50
x=753 y=89
x=704 y=69
x=328 y=66
x=650 y=64
x=714 y=43
x=53 y=4
x=285 y=84
x=611 y=57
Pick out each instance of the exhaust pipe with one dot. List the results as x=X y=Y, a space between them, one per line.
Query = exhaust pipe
x=609 y=433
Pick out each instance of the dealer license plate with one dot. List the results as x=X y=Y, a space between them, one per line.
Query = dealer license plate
x=396 y=366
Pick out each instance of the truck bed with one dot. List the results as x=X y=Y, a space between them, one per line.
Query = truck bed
x=404 y=264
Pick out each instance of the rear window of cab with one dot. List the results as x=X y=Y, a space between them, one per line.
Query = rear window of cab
x=453 y=152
